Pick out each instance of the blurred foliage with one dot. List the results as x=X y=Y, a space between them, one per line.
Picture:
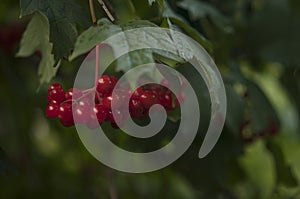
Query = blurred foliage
x=255 y=44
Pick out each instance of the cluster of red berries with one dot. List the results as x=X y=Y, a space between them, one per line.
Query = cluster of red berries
x=93 y=106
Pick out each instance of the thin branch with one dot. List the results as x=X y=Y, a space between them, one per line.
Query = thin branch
x=109 y=6
x=97 y=65
x=92 y=10
x=106 y=10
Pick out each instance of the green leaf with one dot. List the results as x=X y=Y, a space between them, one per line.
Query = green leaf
x=260 y=169
x=63 y=17
x=168 y=12
x=235 y=107
x=200 y=9
x=262 y=112
x=259 y=109
x=93 y=36
x=284 y=173
x=38 y=28
x=193 y=33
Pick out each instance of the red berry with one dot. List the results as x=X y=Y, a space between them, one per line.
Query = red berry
x=106 y=84
x=92 y=122
x=114 y=80
x=167 y=101
x=98 y=98
x=107 y=101
x=137 y=93
x=51 y=101
x=65 y=111
x=73 y=94
x=85 y=102
x=57 y=95
x=158 y=89
x=67 y=122
x=65 y=114
x=136 y=108
x=148 y=99
x=101 y=112
x=52 y=111
x=54 y=86
x=81 y=114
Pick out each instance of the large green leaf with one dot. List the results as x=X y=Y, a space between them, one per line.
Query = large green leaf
x=63 y=17
x=262 y=113
x=284 y=172
x=258 y=109
x=259 y=167
x=200 y=9
x=235 y=109
x=93 y=36
x=192 y=33
x=38 y=28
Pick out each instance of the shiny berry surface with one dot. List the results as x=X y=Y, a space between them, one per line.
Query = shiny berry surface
x=93 y=106
x=148 y=99
x=106 y=84
x=52 y=111
x=57 y=95
x=54 y=86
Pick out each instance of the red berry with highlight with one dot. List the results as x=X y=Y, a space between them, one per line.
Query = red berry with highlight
x=57 y=95
x=73 y=94
x=65 y=111
x=101 y=112
x=52 y=111
x=106 y=84
x=136 y=108
x=54 y=86
x=167 y=101
x=148 y=99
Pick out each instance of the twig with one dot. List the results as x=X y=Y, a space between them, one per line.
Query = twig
x=110 y=7
x=97 y=65
x=92 y=10
x=106 y=10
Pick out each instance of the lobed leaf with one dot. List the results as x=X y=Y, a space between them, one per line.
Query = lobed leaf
x=38 y=28
x=63 y=17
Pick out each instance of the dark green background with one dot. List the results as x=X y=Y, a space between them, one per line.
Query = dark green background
x=255 y=44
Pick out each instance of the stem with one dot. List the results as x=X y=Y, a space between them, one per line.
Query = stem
x=109 y=6
x=97 y=65
x=92 y=10
x=110 y=16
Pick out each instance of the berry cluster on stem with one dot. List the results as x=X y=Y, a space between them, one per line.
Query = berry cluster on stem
x=93 y=106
